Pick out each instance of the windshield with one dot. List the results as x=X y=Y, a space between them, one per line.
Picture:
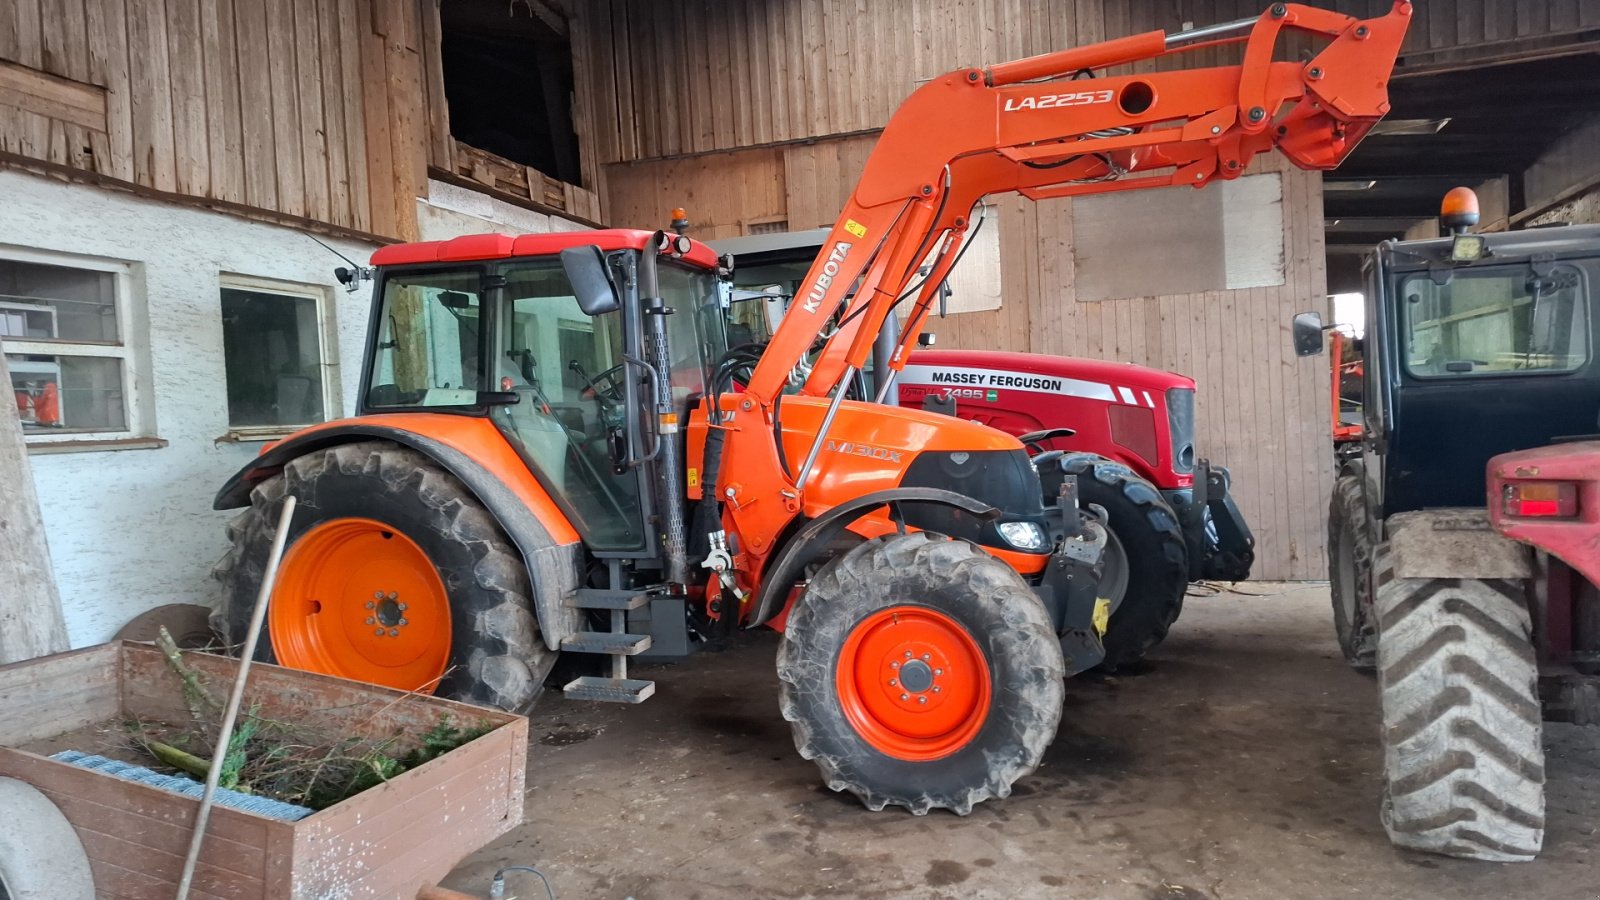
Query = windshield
x=1495 y=320
x=749 y=315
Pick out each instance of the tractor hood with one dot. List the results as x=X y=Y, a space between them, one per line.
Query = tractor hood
x=1038 y=372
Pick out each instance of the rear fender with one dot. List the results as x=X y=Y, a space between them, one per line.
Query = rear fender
x=1454 y=543
x=549 y=546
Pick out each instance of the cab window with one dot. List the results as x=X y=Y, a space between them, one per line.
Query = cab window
x=430 y=341
x=1495 y=321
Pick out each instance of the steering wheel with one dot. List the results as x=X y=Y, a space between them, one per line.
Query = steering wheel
x=607 y=386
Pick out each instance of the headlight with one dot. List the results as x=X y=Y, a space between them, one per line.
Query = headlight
x=1023 y=535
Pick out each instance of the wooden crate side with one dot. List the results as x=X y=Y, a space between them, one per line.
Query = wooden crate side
x=392 y=839
x=318 y=702
x=41 y=698
x=114 y=882
x=125 y=824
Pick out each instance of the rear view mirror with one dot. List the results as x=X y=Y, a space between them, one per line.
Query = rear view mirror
x=590 y=277
x=1308 y=334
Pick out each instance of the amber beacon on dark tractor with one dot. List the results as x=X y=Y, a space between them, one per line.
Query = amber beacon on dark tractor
x=549 y=458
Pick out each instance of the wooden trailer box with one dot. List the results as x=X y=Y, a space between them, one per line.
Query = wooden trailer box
x=385 y=842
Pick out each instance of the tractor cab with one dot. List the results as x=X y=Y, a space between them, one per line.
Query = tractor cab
x=491 y=324
x=1476 y=345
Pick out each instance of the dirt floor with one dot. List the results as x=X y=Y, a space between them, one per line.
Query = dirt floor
x=1242 y=764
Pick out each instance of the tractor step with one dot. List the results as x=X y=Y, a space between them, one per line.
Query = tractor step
x=598 y=598
x=608 y=642
x=609 y=690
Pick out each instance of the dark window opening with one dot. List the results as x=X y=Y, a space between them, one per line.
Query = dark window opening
x=508 y=81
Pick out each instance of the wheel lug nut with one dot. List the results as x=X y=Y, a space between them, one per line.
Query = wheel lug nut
x=370 y=604
x=402 y=621
x=908 y=654
x=894 y=683
x=905 y=696
x=927 y=656
x=370 y=620
x=393 y=595
x=378 y=632
x=394 y=632
x=895 y=664
x=402 y=607
x=377 y=595
x=936 y=689
x=938 y=671
x=923 y=699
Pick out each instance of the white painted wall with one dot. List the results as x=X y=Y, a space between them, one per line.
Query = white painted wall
x=133 y=529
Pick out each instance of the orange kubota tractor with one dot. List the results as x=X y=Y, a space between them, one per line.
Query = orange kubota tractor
x=548 y=455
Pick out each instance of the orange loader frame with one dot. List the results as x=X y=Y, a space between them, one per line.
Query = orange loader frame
x=1015 y=127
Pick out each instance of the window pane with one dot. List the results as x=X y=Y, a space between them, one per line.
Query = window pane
x=1496 y=320
x=428 y=341
x=61 y=394
x=272 y=348
x=695 y=334
x=566 y=367
x=43 y=302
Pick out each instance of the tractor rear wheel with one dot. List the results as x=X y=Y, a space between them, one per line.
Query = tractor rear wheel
x=393 y=574
x=1463 y=762
x=1350 y=574
x=919 y=671
x=1146 y=560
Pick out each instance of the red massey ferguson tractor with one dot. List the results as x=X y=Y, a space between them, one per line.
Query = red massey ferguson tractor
x=1126 y=431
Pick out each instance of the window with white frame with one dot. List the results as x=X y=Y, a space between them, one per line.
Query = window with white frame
x=65 y=324
x=278 y=346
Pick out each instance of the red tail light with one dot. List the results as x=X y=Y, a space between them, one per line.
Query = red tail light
x=1540 y=499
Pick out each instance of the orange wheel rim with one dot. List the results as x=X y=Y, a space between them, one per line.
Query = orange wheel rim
x=913 y=683
x=357 y=599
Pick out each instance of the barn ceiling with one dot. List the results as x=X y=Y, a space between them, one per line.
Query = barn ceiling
x=1500 y=119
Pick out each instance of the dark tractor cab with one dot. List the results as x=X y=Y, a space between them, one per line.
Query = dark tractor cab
x=1476 y=345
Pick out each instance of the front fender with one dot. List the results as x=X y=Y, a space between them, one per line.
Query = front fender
x=786 y=566
x=473 y=451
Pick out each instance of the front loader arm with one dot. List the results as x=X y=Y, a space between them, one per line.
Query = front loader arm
x=1016 y=127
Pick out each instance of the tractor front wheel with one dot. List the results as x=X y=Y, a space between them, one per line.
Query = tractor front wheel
x=394 y=574
x=919 y=671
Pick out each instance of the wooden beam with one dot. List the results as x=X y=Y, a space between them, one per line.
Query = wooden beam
x=41 y=93
x=31 y=623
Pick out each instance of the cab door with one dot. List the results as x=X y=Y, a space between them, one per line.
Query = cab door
x=570 y=422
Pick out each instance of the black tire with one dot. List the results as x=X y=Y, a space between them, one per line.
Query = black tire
x=995 y=608
x=1144 y=532
x=497 y=657
x=1350 y=574
x=1463 y=762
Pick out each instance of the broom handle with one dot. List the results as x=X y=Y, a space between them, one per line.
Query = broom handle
x=219 y=754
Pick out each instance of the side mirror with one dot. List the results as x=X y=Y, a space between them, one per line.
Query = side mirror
x=1308 y=334
x=590 y=278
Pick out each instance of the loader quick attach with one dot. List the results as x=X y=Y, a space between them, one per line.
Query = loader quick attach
x=513 y=486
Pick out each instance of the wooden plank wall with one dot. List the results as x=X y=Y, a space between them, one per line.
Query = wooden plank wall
x=674 y=79
x=324 y=111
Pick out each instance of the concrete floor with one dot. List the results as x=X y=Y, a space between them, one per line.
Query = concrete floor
x=1242 y=764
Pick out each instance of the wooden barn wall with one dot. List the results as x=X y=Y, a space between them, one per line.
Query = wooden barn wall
x=685 y=78
x=313 y=111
